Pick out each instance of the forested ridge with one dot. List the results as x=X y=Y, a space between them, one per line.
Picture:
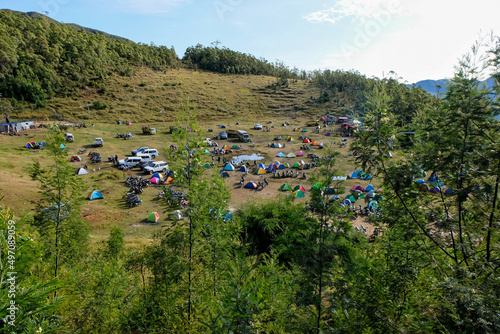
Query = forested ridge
x=41 y=59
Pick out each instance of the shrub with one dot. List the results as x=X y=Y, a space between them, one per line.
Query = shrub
x=143 y=84
x=98 y=105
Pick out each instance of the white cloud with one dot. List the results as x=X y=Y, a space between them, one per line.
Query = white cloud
x=147 y=6
x=359 y=10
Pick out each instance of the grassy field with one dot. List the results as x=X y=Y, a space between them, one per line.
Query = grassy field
x=217 y=99
x=101 y=215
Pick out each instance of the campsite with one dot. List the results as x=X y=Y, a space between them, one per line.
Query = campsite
x=106 y=178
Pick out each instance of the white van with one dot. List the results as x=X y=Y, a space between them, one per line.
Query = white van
x=144 y=157
x=130 y=162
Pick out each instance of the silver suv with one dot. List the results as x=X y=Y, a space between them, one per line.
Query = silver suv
x=156 y=167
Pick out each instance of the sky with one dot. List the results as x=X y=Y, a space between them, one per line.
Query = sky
x=415 y=39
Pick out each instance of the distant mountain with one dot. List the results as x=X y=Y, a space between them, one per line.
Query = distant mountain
x=431 y=86
x=73 y=25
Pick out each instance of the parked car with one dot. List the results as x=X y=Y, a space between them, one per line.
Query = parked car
x=157 y=166
x=257 y=126
x=222 y=135
x=98 y=142
x=152 y=152
x=139 y=150
x=145 y=164
x=130 y=162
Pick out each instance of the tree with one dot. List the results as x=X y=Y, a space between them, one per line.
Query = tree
x=58 y=211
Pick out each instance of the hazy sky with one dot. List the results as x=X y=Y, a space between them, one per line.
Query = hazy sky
x=419 y=39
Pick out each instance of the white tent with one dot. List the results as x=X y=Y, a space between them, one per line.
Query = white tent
x=81 y=171
x=177 y=214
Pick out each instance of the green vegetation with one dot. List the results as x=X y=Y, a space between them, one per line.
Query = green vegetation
x=279 y=265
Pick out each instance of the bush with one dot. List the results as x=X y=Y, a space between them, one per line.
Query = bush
x=98 y=105
x=126 y=85
x=166 y=84
x=143 y=84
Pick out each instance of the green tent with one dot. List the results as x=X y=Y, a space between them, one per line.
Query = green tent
x=298 y=194
x=286 y=187
x=296 y=165
x=235 y=146
x=207 y=165
x=153 y=217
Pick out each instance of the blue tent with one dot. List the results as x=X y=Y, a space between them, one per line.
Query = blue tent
x=244 y=169
x=229 y=167
x=62 y=146
x=271 y=168
x=222 y=126
x=281 y=166
x=369 y=188
x=420 y=181
x=156 y=175
x=170 y=173
x=224 y=174
x=262 y=166
x=353 y=175
x=328 y=134
x=251 y=185
x=95 y=195
x=373 y=205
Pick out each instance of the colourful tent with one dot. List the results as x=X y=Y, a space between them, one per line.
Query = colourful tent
x=353 y=175
x=207 y=165
x=235 y=146
x=75 y=158
x=298 y=194
x=271 y=168
x=81 y=171
x=351 y=198
x=296 y=129
x=244 y=169
x=206 y=152
x=315 y=143
x=229 y=167
x=347 y=201
x=289 y=138
x=251 y=185
x=306 y=140
x=290 y=155
x=281 y=155
x=296 y=165
x=373 y=205
x=299 y=187
x=317 y=186
x=435 y=190
x=370 y=194
x=329 y=191
x=157 y=175
x=169 y=180
x=369 y=188
x=286 y=187
x=300 y=154
x=281 y=166
x=225 y=147
x=153 y=217
x=377 y=198
x=357 y=187
x=328 y=134
x=95 y=195
x=260 y=171
x=155 y=180
x=262 y=166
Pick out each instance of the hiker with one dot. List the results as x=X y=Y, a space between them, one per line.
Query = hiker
x=266 y=182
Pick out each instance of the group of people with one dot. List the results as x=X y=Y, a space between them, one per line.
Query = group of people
x=288 y=173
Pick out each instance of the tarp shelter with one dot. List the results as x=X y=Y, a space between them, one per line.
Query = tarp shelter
x=251 y=185
x=155 y=180
x=286 y=187
x=290 y=155
x=339 y=178
x=157 y=175
x=224 y=174
x=358 y=187
x=235 y=146
x=244 y=169
x=229 y=167
x=95 y=195
x=281 y=155
x=369 y=188
x=75 y=158
x=260 y=171
x=153 y=217
x=299 y=187
x=300 y=154
x=81 y=171
x=298 y=194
